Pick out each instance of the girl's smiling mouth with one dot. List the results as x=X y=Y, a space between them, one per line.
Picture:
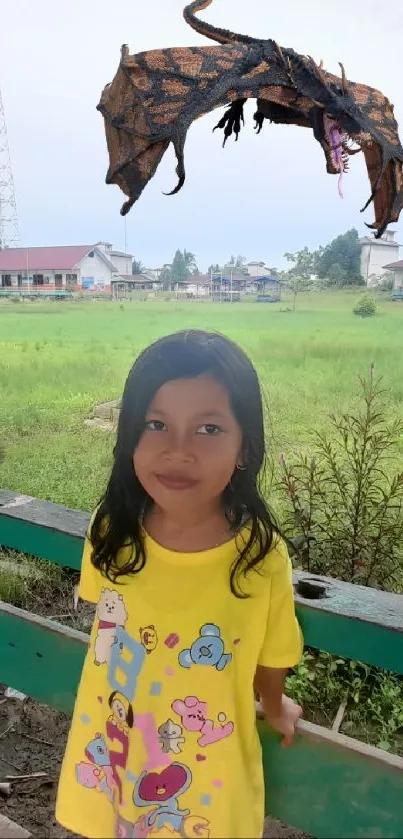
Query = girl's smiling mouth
x=176 y=482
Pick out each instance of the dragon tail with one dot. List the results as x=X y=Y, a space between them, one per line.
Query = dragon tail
x=222 y=36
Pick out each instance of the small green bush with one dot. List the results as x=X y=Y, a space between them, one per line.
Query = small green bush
x=365 y=307
x=344 y=514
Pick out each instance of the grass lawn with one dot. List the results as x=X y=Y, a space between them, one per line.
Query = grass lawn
x=58 y=359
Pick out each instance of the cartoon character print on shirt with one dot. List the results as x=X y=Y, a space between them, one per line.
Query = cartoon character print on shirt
x=111 y=613
x=126 y=660
x=148 y=638
x=192 y=827
x=98 y=773
x=193 y=713
x=125 y=664
x=161 y=790
x=170 y=736
x=122 y=711
x=207 y=649
x=123 y=828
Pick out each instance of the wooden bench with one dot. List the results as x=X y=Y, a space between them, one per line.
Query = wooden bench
x=328 y=785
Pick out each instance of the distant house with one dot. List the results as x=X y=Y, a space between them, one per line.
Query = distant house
x=397 y=269
x=258 y=269
x=156 y=272
x=269 y=289
x=246 y=277
x=68 y=268
x=125 y=285
x=198 y=285
x=375 y=253
x=227 y=287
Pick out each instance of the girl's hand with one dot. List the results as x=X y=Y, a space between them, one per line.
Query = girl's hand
x=286 y=721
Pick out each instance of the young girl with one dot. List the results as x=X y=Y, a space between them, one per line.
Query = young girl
x=194 y=609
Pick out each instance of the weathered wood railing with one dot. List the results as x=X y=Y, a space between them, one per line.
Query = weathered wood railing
x=328 y=784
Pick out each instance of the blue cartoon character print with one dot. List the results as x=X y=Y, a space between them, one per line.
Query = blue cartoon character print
x=97 y=773
x=161 y=791
x=208 y=649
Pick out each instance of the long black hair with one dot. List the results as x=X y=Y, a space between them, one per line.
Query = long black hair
x=118 y=519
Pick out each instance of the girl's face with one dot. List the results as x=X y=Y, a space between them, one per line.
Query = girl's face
x=190 y=446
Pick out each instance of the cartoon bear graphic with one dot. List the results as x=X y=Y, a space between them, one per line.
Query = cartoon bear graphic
x=148 y=638
x=111 y=614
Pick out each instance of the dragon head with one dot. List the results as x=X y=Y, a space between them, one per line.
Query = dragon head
x=342 y=114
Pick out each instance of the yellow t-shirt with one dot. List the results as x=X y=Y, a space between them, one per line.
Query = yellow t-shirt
x=163 y=740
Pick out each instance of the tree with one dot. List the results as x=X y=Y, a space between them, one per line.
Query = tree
x=190 y=262
x=236 y=261
x=137 y=266
x=345 y=252
x=165 y=278
x=179 y=270
x=304 y=262
x=295 y=285
x=214 y=269
x=337 y=275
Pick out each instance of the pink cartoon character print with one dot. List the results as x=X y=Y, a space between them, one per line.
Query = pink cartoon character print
x=160 y=791
x=98 y=773
x=111 y=614
x=193 y=713
x=207 y=650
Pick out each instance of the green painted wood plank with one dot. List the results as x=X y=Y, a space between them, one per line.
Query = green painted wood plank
x=330 y=785
x=45 y=513
x=42 y=529
x=39 y=657
x=29 y=538
x=361 y=639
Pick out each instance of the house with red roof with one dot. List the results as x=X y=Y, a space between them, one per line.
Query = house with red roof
x=87 y=268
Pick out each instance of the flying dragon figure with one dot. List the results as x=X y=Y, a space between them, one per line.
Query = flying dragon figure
x=156 y=95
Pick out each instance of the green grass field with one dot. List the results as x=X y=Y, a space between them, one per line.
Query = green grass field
x=58 y=359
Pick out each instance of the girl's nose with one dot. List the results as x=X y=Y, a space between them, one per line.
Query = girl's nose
x=179 y=448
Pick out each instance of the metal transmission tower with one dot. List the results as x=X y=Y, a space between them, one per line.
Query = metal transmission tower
x=9 y=231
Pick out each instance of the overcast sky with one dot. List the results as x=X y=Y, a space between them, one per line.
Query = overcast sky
x=262 y=197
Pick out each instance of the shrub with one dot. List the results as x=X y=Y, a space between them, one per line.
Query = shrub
x=365 y=307
x=384 y=283
x=344 y=512
x=373 y=699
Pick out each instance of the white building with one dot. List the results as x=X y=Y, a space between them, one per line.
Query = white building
x=376 y=253
x=397 y=270
x=198 y=285
x=122 y=261
x=155 y=273
x=258 y=269
x=88 y=268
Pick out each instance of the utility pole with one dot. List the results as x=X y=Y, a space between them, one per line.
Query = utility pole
x=9 y=230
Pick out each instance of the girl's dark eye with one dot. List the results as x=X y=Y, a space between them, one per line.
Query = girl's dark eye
x=209 y=430
x=155 y=425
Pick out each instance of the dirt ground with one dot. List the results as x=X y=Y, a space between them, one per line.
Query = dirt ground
x=32 y=739
x=31 y=803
